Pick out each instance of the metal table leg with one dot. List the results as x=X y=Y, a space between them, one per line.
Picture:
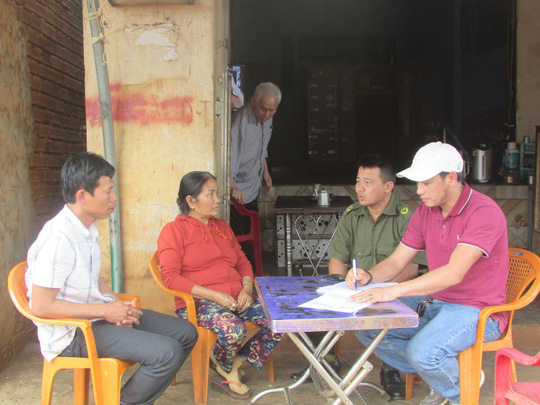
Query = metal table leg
x=315 y=356
x=306 y=347
x=359 y=370
x=288 y=244
x=319 y=368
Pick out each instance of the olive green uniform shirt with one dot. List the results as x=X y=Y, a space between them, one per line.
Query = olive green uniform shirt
x=370 y=243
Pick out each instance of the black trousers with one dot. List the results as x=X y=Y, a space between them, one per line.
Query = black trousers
x=241 y=225
x=160 y=344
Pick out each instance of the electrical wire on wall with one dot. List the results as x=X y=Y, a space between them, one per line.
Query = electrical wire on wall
x=511 y=67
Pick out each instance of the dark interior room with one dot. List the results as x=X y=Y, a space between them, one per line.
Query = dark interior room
x=385 y=76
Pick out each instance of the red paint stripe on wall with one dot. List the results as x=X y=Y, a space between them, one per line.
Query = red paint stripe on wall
x=141 y=109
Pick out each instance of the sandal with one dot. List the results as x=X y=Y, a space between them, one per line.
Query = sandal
x=219 y=384
x=243 y=377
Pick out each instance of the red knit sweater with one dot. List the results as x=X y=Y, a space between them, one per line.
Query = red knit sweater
x=191 y=253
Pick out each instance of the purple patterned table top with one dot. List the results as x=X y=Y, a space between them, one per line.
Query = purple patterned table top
x=281 y=297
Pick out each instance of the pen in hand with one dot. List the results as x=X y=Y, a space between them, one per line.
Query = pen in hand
x=354 y=273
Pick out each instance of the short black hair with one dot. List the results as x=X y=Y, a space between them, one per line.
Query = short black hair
x=459 y=175
x=383 y=162
x=191 y=185
x=83 y=171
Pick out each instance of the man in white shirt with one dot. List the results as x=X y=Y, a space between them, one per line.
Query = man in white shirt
x=63 y=282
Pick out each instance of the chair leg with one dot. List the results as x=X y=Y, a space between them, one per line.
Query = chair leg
x=47 y=381
x=81 y=380
x=409 y=385
x=112 y=378
x=469 y=376
x=257 y=253
x=503 y=377
x=200 y=359
x=270 y=365
x=513 y=370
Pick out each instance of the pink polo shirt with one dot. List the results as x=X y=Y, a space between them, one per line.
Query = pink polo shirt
x=476 y=220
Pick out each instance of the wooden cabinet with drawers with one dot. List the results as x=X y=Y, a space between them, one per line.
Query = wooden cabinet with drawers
x=353 y=110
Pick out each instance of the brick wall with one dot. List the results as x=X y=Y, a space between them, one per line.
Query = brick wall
x=53 y=30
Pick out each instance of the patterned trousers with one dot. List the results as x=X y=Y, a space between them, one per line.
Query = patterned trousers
x=231 y=332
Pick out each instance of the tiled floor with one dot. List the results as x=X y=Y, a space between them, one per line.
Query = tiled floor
x=20 y=380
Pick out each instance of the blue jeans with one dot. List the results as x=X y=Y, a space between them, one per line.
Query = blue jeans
x=430 y=350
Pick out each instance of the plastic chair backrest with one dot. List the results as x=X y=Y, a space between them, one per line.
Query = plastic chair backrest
x=523 y=284
x=241 y=209
x=506 y=387
x=106 y=373
x=524 y=268
x=200 y=354
x=17 y=290
x=155 y=271
x=522 y=287
x=253 y=237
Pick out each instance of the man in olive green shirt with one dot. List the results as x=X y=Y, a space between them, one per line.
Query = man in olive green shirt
x=369 y=232
x=370 y=236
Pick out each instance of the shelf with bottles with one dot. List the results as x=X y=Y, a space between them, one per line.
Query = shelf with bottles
x=527 y=160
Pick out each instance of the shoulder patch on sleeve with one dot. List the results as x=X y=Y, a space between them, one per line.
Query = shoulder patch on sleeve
x=404 y=211
x=349 y=209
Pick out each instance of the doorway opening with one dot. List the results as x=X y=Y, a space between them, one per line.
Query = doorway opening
x=373 y=76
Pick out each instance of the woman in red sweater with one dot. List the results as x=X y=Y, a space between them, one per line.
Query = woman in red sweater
x=199 y=254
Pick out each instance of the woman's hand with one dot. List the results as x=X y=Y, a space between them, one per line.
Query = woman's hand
x=226 y=301
x=245 y=300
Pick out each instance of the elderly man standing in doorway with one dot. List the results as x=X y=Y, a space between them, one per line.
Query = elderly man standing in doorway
x=464 y=234
x=368 y=232
x=250 y=133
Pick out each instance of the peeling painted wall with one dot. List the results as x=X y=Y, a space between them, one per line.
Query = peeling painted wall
x=160 y=64
x=17 y=215
x=528 y=66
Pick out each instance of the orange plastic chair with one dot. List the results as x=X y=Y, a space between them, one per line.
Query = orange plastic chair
x=506 y=390
x=253 y=237
x=106 y=372
x=200 y=355
x=522 y=287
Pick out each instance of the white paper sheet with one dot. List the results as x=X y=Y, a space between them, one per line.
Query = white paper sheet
x=337 y=298
x=334 y=303
x=343 y=289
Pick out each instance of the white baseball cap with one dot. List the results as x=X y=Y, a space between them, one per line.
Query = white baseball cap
x=432 y=159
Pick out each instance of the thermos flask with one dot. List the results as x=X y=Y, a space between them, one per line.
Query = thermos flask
x=482 y=163
x=324 y=198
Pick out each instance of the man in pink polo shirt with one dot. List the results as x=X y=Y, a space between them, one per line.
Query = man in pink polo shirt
x=464 y=234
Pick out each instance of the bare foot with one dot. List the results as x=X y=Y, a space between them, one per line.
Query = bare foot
x=233 y=375
x=237 y=363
